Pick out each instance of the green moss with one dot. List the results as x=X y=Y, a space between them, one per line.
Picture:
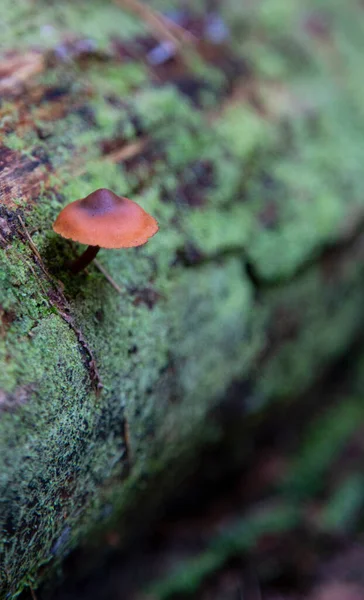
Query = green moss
x=118 y=79
x=242 y=537
x=16 y=143
x=344 y=505
x=307 y=187
x=301 y=323
x=244 y=132
x=325 y=440
x=138 y=386
x=47 y=24
x=217 y=231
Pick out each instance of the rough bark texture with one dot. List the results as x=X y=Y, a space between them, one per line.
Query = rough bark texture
x=249 y=154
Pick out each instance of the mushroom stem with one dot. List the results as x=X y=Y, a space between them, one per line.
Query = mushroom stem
x=86 y=257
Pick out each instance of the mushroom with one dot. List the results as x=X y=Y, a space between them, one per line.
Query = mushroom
x=104 y=220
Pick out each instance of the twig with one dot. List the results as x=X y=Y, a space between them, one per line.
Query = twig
x=164 y=28
x=18 y=70
x=107 y=276
x=33 y=248
x=32 y=592
x=30 y=266
x=128 y=151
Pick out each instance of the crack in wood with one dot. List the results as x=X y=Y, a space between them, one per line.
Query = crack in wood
x=58 y=300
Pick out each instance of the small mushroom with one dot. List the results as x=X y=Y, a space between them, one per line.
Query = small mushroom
x=104 y=220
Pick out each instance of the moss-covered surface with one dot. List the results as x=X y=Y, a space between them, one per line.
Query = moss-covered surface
x=250 y=159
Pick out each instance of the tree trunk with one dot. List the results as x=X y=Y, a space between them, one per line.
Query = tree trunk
x=245 y=142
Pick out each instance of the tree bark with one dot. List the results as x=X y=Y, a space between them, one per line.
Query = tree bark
x=248 y=151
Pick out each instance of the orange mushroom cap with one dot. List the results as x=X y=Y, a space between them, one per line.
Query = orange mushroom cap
x=106 y=220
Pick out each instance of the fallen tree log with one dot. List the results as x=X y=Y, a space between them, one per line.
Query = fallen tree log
x=246 y=146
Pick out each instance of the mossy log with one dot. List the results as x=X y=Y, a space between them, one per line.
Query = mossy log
x=245 y=142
